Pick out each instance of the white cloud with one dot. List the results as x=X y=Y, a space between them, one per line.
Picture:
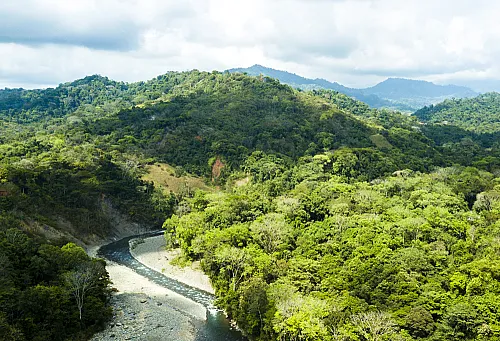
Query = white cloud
x=355 y=42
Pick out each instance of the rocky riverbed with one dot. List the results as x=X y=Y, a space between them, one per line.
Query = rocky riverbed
x=145 y=311
x=142 y=317
x=164 y=304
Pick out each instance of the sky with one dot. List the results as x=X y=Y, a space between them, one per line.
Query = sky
x=354 y=42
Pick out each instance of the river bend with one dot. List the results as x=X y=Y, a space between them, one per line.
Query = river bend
x=215 y=328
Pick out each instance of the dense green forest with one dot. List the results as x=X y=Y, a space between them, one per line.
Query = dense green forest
x=357 y=222
x=49 y=292
x=192 y=118
x=310 y=253
x=479 y=114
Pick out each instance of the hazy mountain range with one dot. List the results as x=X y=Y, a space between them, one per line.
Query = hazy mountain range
x=395 y=93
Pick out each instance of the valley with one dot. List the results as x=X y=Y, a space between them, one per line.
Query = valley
x=150 y=305
x=215 y=170
x=312 y=215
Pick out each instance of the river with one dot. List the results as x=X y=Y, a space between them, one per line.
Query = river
x=215 y=328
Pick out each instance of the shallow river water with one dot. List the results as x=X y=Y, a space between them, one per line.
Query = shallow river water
x=215 y=328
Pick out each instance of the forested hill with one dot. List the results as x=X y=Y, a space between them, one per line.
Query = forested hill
x=480 y=114
x=229 y=116
x=192 y=119
x=396 y=93
x=92 y=94
x=334 y=217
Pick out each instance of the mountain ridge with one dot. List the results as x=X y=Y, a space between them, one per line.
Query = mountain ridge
x=336 y=214
x=386 y=94
x=394 y=83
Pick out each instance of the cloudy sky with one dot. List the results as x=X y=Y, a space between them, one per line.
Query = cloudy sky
x=354 y=42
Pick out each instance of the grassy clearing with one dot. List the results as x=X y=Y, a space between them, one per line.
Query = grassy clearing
x=381 y=142
x=163 y=176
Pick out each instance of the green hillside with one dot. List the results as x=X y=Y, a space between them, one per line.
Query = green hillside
x=480 y=114
x=230 y=116
x=306 y=253
x=350 y=214
x=394 y=93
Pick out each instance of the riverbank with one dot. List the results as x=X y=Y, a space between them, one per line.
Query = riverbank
x=152 y=253
x=145 y=311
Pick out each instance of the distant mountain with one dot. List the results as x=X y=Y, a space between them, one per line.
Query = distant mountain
x=290 y=78
x=318 y=83
x=394 y=93
x=398 y=88
x=481 y=85
x=479 y=114
x=417 y=93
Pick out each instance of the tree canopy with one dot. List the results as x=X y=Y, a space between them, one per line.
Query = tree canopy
x=479 y=114
x=36 y=299
x=324 y=220
x=310 y=253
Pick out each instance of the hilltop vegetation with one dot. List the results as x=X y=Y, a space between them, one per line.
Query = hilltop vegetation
x=230 y=116
x=480 y=114
x=394 y=93
x=348 y=217
x=92 y=95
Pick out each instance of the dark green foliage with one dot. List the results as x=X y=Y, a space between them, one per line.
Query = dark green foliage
x=79 y=193
x=35 y=300
x=480 y=114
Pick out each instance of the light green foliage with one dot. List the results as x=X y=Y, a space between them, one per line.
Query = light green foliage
x=321 y=218
x=271 y=232
x=298 y=317
x=399 y=258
